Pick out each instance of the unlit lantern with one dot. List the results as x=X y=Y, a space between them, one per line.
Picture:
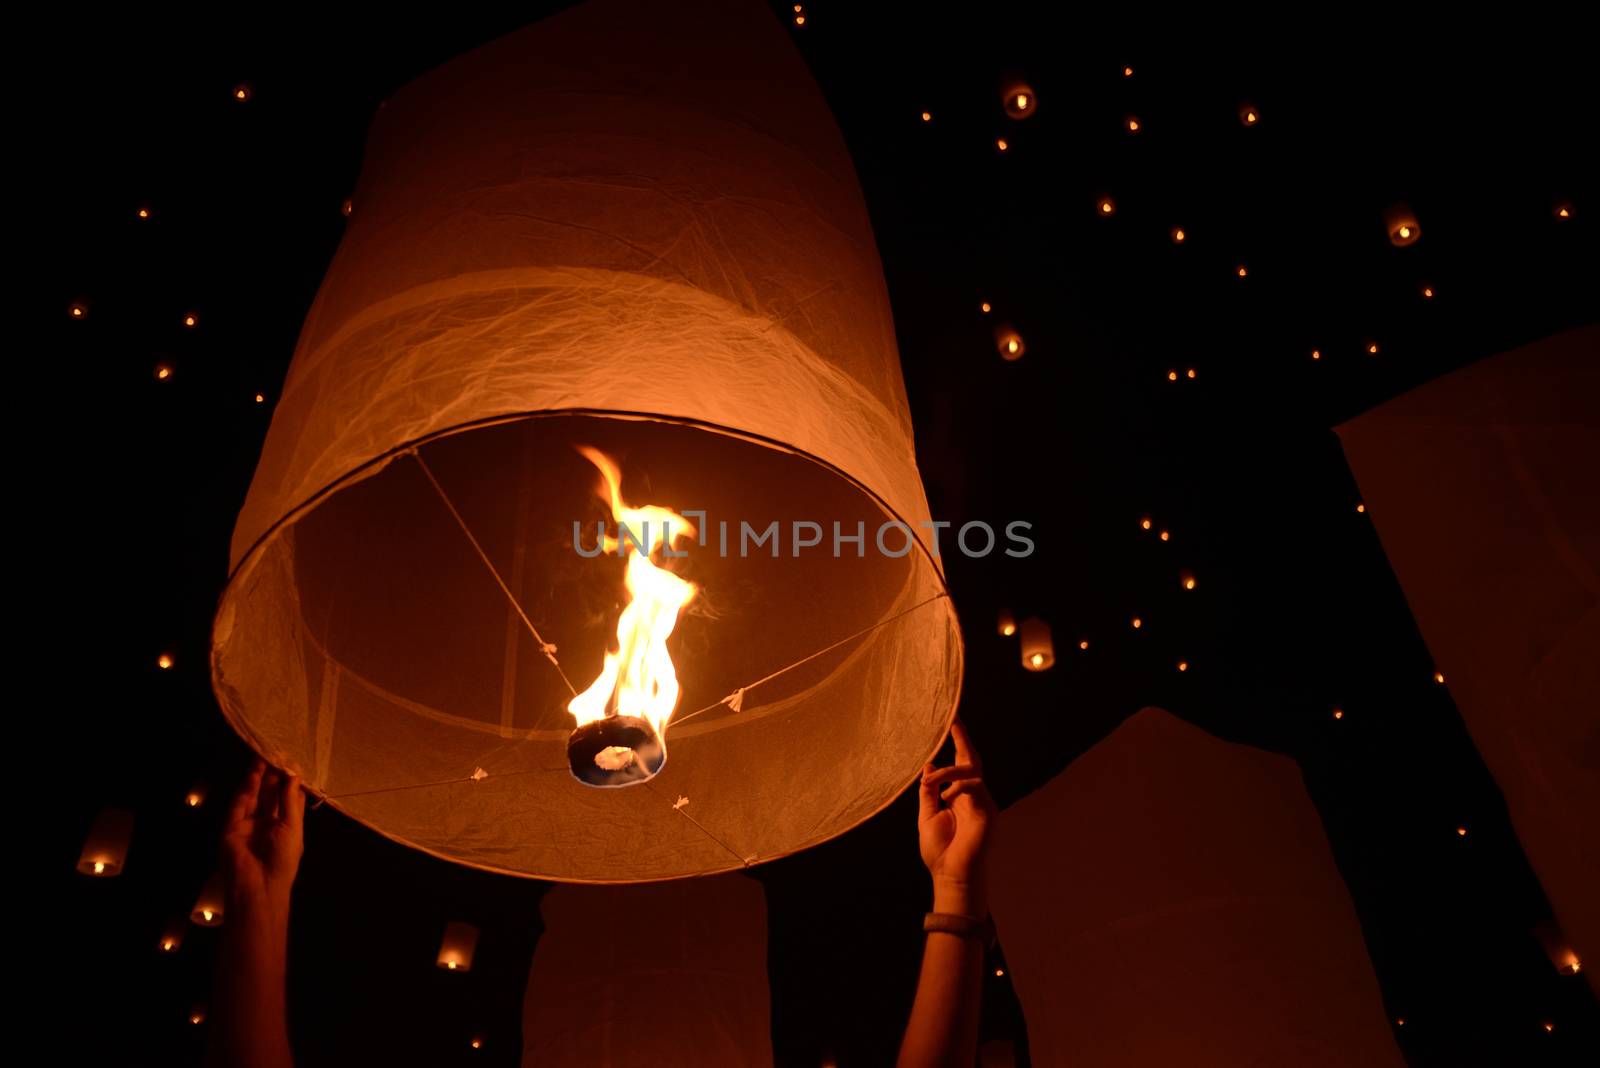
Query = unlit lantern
x=632 y=227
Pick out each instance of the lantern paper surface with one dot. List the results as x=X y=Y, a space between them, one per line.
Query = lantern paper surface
x=661 y=976
x=635 y=227
x=1177 y=894
x=1484 y=489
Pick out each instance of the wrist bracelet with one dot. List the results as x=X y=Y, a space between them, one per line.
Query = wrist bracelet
x=961 y=926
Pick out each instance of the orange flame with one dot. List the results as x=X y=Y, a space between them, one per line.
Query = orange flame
x=638 y=678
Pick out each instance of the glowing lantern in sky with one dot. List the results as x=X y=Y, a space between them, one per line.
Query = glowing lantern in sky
x=1038 y=651
x=207 y=911
x=456 y=948
x=1402 y=225
x=105 y=851
x=1008 y=342
x=1019 y=100
x=680 y=278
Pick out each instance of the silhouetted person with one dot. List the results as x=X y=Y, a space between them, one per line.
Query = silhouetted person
x=264 y=838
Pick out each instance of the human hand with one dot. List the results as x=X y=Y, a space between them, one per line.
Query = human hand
x=955 y=817
x=264 y=837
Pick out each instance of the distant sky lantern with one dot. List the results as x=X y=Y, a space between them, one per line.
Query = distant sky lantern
x=1166 y=535
x=163 y=373
x=1084 y=645
x=1402 y=225
x=1183 y=665
x=1037 y=648
x=1242 y=271
x=105 y=851
x=456 y=948
x=1189 y=373
x=985 y=307
x=261 y=398
x=1105 y=206
x=1008 y=342
x=1461 y=832
x=1361 y=508
x=1020 y=101
x=191 y=319
x=1127 y=72
x=1001 y=144
x=347 y=207
x=1131 y=124
x=171 y=937
x=1248 y=114
x=1372 y=348
x=927 y=116
x=197 y=1015
x=477 y=1042
x=1563 y=210
x=501 y=313
x=1188 y=580
x=1338 y=713
x=1438 y=676
x=1006 y=624
x=1172 y=375
x=1179 y=235
x=1316 y=354
x=196 y=795
x=77 y=309
x=1144 y=524
x=241 y=93
x=207 y=910
x=1137 y=622
x=164 y=661
x=144 y=213
x=1558 y=949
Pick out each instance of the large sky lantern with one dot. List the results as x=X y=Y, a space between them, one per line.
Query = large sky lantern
x=587 y=260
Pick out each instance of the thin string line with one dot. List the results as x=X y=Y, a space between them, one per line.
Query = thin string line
x=440 y=782
x=679 y=809
x=738 y=694
x=544 y=647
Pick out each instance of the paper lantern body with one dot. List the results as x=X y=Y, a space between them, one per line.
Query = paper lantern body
x=105 y=850
x=208 y=911
x=1484 y=491
x=1401 y=222
x=1178 y=893
x=635 y=227
x=456 y=948
x=668 y=976
x=1038 y=650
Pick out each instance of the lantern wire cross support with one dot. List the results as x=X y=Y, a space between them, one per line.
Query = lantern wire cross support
x=734 y=700
x=548 y=649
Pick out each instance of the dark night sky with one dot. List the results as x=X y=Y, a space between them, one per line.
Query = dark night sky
x=1297 y=610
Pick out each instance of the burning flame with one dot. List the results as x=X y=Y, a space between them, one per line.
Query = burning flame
x=638 y=678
